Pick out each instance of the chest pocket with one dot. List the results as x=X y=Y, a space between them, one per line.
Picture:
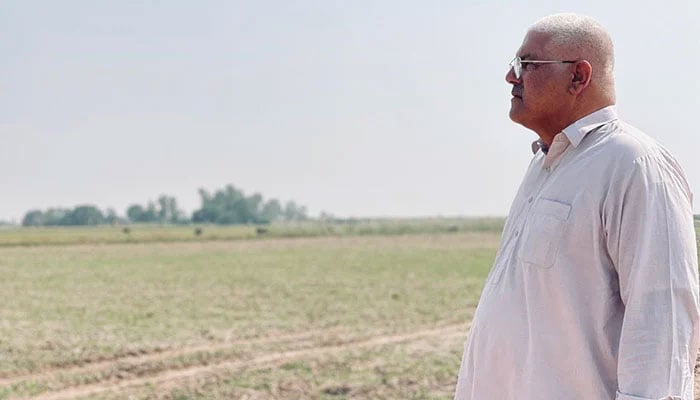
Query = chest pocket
x=543 y=233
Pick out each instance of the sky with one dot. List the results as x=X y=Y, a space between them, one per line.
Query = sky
x=354 y=108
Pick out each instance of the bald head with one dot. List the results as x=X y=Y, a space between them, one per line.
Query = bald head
x=578 y=37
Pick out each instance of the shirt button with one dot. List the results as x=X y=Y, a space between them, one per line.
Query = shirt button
x=517 y=233
x=529 y=200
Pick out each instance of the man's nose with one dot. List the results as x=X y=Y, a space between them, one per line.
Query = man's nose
x=510 y=77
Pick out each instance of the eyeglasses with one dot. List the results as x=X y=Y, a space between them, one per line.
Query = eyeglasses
x=517 y=64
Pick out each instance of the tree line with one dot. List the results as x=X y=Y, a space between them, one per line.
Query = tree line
x=227 y=206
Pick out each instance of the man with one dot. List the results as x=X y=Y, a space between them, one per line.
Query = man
x=594 y=291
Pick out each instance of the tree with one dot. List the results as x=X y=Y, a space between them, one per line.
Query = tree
x=80 y=215
x=84 y=215
x=33 y=218
x=135 y=213
x=150 y=215
x=164 y=211
x=271 y=211
x=55 y=216
x=206 y=213
x=231 y=206
x=167 y=210
x=111 y=217
x=294 y=212
x=227 y=206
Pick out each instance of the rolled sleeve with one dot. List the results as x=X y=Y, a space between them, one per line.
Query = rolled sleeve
x=622 y=396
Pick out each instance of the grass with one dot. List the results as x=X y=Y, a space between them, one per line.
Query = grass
x=114 y=305
x=38 y=236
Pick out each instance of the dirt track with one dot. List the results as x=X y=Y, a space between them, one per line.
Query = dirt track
x=169 y=377
x=158 y=355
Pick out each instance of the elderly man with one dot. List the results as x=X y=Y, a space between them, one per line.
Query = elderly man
x=594 y=291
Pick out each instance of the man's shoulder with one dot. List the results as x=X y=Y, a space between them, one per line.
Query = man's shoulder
x=630 y=152
x=625 y=143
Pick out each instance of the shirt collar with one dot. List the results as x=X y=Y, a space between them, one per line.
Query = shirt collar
x=578 y=130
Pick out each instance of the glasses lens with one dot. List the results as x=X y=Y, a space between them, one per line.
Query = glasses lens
x=515 y=64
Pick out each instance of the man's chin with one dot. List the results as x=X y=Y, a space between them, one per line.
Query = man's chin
x=516 y=111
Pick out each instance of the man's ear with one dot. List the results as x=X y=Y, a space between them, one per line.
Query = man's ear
x=581 y=77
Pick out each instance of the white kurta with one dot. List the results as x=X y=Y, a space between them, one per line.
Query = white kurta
x=594 y=291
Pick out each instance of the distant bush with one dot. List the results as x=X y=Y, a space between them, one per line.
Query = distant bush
x=80 y=215
x=230 y=206
x=227 y=206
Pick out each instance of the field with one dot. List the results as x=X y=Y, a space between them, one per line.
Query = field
x=198 y=233
x=341 y=314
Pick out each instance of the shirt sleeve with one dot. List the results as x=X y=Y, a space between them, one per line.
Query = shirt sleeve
x=651 y=242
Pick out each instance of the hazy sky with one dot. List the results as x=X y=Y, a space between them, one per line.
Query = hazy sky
x=357 y=108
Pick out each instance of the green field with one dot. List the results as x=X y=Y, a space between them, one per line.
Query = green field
x=10 y=236
x=340 y=315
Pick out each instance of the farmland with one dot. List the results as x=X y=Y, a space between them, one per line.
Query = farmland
x=330 y=316
x=377 y=312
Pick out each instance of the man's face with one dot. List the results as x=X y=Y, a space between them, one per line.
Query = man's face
x=540 y=95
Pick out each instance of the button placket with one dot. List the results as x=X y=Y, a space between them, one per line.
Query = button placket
x=527 y=211
x=513 y=237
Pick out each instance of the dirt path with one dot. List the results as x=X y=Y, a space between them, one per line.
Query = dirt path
x=161 y=355
x=171 y=376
